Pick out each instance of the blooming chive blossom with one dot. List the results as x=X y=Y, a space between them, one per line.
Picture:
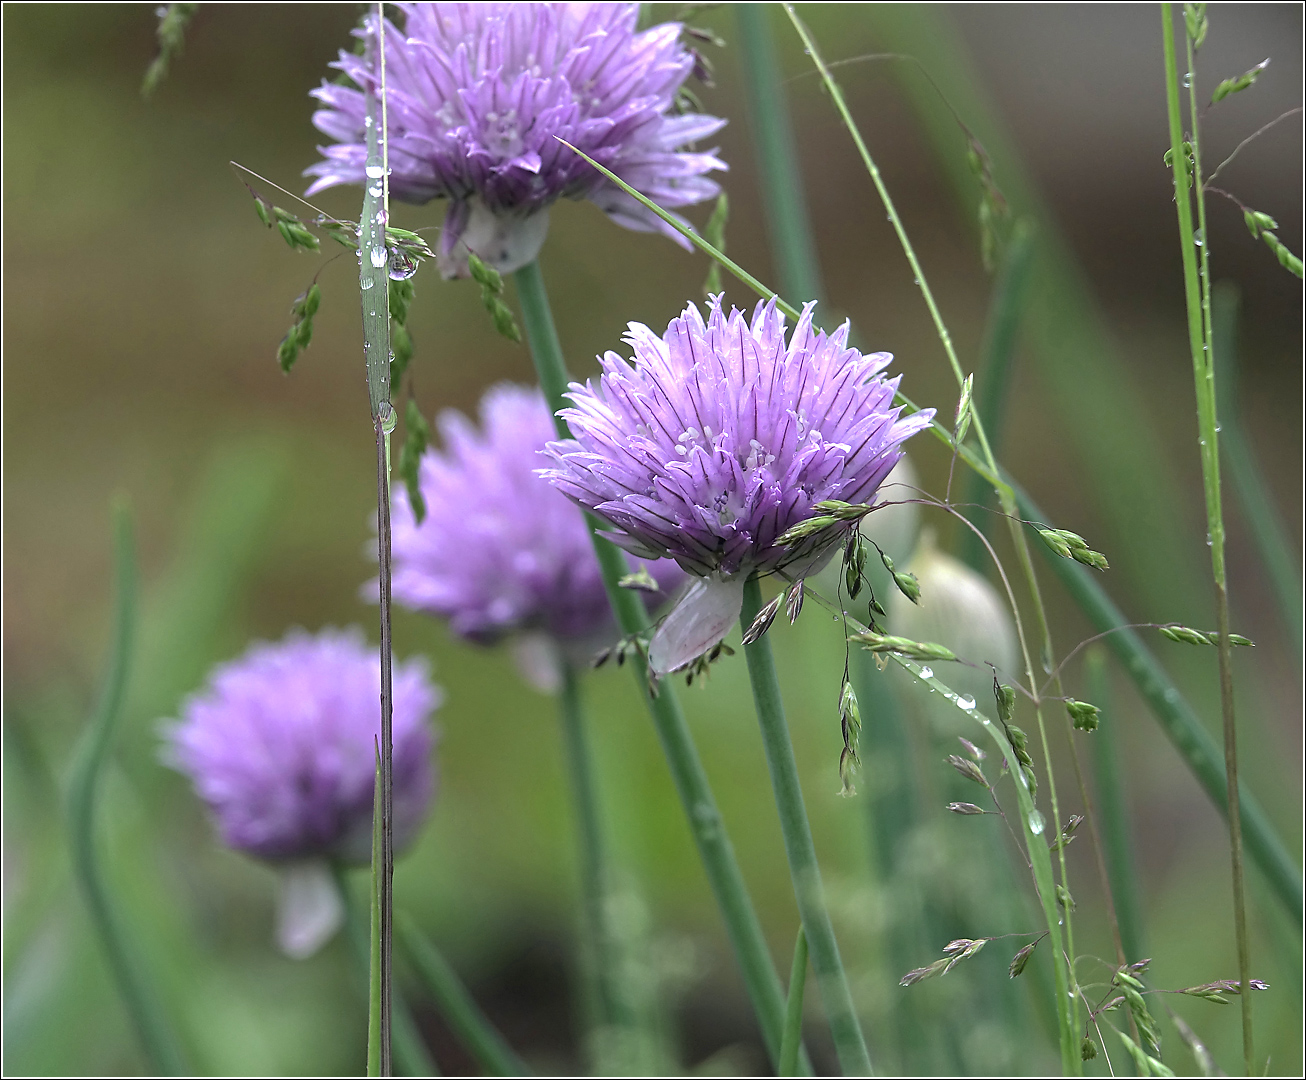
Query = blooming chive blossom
x=499 y=551
x=281 y=746
x=478 y=96
x=718 y=437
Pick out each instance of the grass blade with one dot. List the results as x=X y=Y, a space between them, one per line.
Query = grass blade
x=793 y=1032
x=457 y=1006
x=138 y=993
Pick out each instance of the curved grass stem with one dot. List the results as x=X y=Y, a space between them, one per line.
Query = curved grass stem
x=849 y=1043
x=717 y=853
x=144 y=1006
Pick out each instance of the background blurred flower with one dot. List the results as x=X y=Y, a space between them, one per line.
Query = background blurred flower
x=478 y=96
x=960 y=609
x=500 y=552
x=281 y=746
x=719 y=437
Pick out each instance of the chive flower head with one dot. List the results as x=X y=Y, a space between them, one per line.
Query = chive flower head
x=281 y=746
x=499 y=552
x=477 y=97
x=720 y=435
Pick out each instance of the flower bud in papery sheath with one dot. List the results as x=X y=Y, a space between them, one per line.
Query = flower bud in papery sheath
x=499 y=551
x=281 y=746
x=478 y=97
x=720 y=436
x=959 y=609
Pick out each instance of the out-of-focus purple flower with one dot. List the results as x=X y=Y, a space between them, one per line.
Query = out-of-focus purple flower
x=479 y=94
x=499 y=551
x=717 y=438
x=280 y=745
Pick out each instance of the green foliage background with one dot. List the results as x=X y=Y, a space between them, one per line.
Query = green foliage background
x=143 y=304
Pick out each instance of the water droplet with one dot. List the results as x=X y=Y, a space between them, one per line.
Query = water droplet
x=388 y=417
x=927 y=673
x=1036 y=823
x=375 y=172
x=375 y=191
x=1188 y=79
x=1199 y=238
x=366 y=283
x=378 y=256
x=401 y=266
x=966 y=702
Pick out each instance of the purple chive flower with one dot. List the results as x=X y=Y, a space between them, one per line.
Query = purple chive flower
x=479 y=94
x=280 y=745
x=499 y=551
x=717 y=438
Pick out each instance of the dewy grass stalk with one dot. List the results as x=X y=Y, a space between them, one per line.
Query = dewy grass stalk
x=755 y=963
x=157 y=1036
x=374 y=286
x=831 y=981
x=1197 y=295
x=1068 y=1023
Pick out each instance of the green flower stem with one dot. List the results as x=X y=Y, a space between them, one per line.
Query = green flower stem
x=1197 y=294
x=1247 y=480
x=599 y=938
x=456 y=1005
x=1177 y=719
x=792 y=246
x=144 y=1006
x=793 y=1033
x=1113 y=808
x=714 y=847
x=410 y=1051
x=849 y=1042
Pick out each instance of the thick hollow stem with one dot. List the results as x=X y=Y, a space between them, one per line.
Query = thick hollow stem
x=717 y=853
x=849 y=1042
x=1197 y=298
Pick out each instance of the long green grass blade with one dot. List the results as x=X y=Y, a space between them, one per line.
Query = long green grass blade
x=993 y=376
x=1112 y=808
x=410 y=1053
x=793 y=1032
x=144 y=1006
x=456 y=1005
x=1185 y=731
x=793 y=249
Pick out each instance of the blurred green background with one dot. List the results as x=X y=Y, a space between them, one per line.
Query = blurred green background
x=143 y=305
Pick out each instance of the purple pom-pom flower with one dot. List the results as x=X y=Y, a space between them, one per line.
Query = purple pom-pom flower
x=499 y=552
x=477 y=97
x=718 y=437
x=281 y=747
